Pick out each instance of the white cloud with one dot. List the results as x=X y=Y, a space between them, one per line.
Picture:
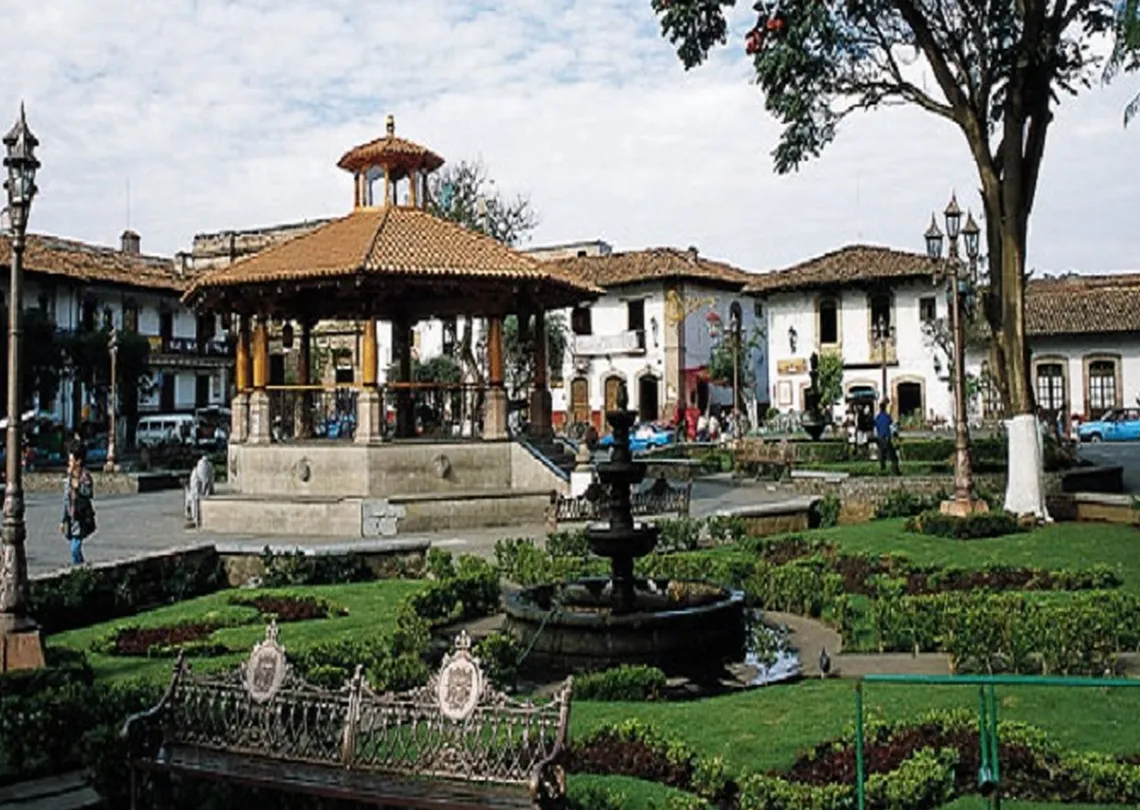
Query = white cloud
x=229 y=114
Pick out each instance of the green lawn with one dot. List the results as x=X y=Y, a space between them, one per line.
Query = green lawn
x=1058 y=545
x=371 y=609
x=760 y=729
x=766 y=728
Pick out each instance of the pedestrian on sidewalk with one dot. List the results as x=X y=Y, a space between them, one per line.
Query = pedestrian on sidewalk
x=884 y=435
x=78 y=521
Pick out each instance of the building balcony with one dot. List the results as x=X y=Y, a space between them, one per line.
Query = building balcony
x=629 y=342
x=884 y=354
x=190 y=347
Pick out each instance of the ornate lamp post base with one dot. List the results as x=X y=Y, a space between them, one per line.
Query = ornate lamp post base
x=961 y=507
x=21 y=646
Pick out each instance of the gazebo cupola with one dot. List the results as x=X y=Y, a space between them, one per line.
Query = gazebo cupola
x=387 y=162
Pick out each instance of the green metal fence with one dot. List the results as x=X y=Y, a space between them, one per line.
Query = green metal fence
x=989 y=772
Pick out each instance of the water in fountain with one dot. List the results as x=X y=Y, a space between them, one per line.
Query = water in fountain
x=687 y=627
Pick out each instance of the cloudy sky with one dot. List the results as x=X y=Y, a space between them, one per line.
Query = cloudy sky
x=222 y=114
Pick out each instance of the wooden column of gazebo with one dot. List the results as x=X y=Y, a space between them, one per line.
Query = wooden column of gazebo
x=391 y=260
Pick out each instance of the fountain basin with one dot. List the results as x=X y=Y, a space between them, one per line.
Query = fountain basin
x=612 y=541
x=684 y=627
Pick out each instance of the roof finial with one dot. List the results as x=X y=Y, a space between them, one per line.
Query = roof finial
x=391 y=124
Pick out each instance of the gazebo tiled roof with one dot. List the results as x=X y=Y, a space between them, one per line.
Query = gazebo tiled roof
x=390 y=149
x=392 y=244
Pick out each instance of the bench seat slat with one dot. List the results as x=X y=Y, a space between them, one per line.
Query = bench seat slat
x=321 y=780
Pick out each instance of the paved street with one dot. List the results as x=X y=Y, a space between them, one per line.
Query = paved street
x=1125 y=454
x=135 y=524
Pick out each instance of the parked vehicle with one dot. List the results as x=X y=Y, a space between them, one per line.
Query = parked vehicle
x=643 y=437
x=1117 y=425
x=213 y=425
x=173 y=428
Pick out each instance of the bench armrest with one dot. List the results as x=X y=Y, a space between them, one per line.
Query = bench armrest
x=143 y=731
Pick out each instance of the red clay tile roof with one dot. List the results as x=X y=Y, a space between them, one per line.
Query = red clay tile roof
x=1075 y=305
x=94 y=263
x=390 y=150
x=847 y=264
x=392 y=240
x=652 y=264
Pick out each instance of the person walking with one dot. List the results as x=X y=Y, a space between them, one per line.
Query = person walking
x=884 y=436
x=78 y=521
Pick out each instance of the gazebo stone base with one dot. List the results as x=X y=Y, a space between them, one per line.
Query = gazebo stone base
x=495 y=415
x=368 y=429
x=348 y=489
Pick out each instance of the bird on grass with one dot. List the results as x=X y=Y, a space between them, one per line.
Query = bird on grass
x=824 y=663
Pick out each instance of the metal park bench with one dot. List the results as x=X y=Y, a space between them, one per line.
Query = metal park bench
x=455 y=743
x=660 y=498
x=756 y=456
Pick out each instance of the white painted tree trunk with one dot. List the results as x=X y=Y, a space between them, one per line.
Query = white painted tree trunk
x=1025 y=487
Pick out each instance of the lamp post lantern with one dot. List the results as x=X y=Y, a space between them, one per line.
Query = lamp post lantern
x=883 y=335
x=964 y=502
x=20 y=644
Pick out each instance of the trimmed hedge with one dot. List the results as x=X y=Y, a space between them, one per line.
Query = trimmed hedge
x=624 y=683
x=978 y=526
x=909 y=766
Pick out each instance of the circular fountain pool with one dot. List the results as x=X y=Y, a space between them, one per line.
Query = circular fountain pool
x=681 y=626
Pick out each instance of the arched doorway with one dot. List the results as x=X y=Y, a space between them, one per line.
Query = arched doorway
x=579 y=401
x=908 y=400
x=613 y=385
x=648 y=406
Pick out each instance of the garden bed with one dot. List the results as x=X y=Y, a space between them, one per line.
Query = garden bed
x=155 y=642
x=285 y=608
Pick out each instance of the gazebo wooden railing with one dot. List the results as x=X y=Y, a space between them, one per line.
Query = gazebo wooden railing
x=322 y=412
x=312 y=412
x=436 y=410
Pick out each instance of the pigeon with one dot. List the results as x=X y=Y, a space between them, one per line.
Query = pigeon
x=824 y=663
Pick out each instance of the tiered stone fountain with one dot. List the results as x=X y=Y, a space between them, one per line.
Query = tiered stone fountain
x=682 y=626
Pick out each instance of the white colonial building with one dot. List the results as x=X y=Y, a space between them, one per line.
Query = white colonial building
x=871 y=306
x=84 y=287
x=651 y=330
x=1084 y=340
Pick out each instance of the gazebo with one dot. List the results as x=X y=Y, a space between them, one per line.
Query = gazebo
x=392 y=260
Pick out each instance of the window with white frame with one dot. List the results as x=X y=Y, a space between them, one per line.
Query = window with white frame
x=1102 y=384
x=1051 y=386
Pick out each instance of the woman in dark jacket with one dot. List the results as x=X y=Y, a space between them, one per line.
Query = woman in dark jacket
x=78 y=521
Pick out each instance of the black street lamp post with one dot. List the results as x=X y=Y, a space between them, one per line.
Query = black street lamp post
x=963 y=502
x=20 y=644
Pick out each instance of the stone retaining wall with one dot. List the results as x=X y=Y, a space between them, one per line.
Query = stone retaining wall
x=860 y=495
x=119 y=483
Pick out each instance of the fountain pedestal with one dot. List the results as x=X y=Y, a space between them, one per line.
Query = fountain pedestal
x=683 y=627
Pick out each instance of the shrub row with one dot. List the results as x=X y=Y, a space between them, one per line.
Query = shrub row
x=911 y=766
x=86 y=596
x=624 y=683
x=1006 y=632
x=977 y=526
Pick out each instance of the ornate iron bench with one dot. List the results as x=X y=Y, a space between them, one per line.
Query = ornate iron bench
x=759 y=456
x=455 y=743
x=659 y=498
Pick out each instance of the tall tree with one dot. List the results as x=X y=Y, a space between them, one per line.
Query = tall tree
x=42 y=357
x=465 y=193
x=998 y=67
x=88 y=363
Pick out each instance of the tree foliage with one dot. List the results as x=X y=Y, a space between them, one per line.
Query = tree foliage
x=1126 y=52
x=998 y=69
x=42 y=358
x=830 y=381
x=455 y=193
x=88 y=363
x=720 y=361
x=518 y=349
x=464 y=193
